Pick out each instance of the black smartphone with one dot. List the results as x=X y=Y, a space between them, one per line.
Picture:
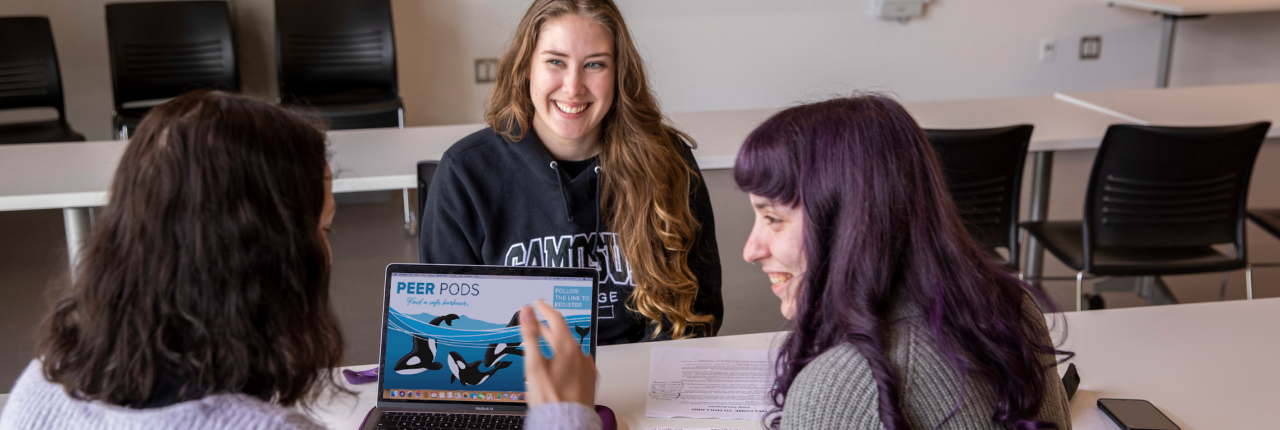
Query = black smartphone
x=1133 y=414
x=1071 y=380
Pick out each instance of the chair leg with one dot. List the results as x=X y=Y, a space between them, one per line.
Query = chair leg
x=1248 y=282
x=1079 y=291
x=410 y=227
x=1222 y=293
x=400 y=116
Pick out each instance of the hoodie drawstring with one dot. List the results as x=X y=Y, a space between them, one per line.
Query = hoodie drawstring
x=564 y=195
x=599 y=183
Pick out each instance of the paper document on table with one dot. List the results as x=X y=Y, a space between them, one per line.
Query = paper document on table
x=715 y=383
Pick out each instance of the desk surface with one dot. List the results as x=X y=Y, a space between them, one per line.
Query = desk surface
x=1208 y=366
x=1195 y=106
x=63 y=175
x=1059 y=125
x=1198 y=7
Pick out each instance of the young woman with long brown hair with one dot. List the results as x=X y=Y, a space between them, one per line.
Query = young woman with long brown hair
x=577 y=168
x=202 y=299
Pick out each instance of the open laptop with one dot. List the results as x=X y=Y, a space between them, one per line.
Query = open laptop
x=451 y=352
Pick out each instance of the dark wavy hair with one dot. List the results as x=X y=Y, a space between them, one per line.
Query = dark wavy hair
x=206 y=273
x=880 y=227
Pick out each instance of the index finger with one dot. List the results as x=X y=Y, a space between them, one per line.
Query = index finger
x=529 y=335
x=559 y=329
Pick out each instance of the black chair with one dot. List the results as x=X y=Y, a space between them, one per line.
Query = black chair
x=163 y=49
x=984 y=174
x=1158 y=199
x=30 y=78
x=426 y=171
x=337 y=59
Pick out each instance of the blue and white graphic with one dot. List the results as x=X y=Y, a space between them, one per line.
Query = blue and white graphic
x=446 y=332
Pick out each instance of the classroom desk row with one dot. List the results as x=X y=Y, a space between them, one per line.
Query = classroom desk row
x=75 y=176
x=1208 y=366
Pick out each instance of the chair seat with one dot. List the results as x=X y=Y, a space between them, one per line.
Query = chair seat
x=1268 y=219
x=38 y=132
x=352 y=111
x=1065 y=239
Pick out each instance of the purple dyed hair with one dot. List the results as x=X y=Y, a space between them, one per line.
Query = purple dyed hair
x=880 y=227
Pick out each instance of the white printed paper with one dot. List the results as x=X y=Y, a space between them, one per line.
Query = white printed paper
x=673 y=428
x=712 y=383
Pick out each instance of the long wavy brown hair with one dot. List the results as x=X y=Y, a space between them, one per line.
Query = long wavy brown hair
x=206 y=273
x=646 y=184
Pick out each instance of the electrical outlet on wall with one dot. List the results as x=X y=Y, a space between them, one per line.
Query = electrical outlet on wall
x=1048 y=49
x=1090 y=47
x=486 y=70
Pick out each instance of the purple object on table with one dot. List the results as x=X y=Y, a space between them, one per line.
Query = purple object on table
x=607 y=420
x=360 y=377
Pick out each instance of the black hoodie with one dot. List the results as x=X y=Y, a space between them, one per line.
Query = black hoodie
x=497 y=202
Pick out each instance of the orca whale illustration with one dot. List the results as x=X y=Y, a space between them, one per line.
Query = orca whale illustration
x=581 y=333
x=423 y=355
x=447 y=320
x=497 y=350
x=469 y=373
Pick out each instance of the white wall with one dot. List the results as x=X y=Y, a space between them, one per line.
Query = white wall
x=727 y=54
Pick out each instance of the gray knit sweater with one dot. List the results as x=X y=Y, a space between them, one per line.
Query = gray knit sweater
x=36 y=403
x=837 y=390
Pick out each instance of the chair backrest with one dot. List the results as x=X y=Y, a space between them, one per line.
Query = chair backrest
x=426 y=171
x=1170 y=187
x=984 y=174
x=29 y=75
x=327 y=46
x=163 y=49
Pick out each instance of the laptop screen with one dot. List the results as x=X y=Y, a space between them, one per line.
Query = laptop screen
x=456 y=337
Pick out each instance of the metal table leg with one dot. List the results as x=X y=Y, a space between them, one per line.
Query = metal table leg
x=410 y=222
x=76 y=222
x=1169 y=27
x=1032 y=251
x=1168 y=31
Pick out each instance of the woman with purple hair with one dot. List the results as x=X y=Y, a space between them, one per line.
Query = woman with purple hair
x=899 y=319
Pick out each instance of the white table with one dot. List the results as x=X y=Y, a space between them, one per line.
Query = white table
x=74 y=176
x=1193 y=106
x=1175 y=10
x=1208 y=366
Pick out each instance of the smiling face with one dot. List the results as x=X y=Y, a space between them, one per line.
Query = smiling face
x=776 y=243
x=571 y=83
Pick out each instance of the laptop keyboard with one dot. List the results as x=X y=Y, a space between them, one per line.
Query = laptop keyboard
x=428 y=420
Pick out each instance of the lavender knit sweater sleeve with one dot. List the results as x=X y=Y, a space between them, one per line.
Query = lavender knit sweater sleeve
x=562 y=416
x=36 y=403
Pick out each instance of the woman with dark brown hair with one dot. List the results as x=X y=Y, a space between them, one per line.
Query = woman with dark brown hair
x=578 y=169
x=202 y=299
